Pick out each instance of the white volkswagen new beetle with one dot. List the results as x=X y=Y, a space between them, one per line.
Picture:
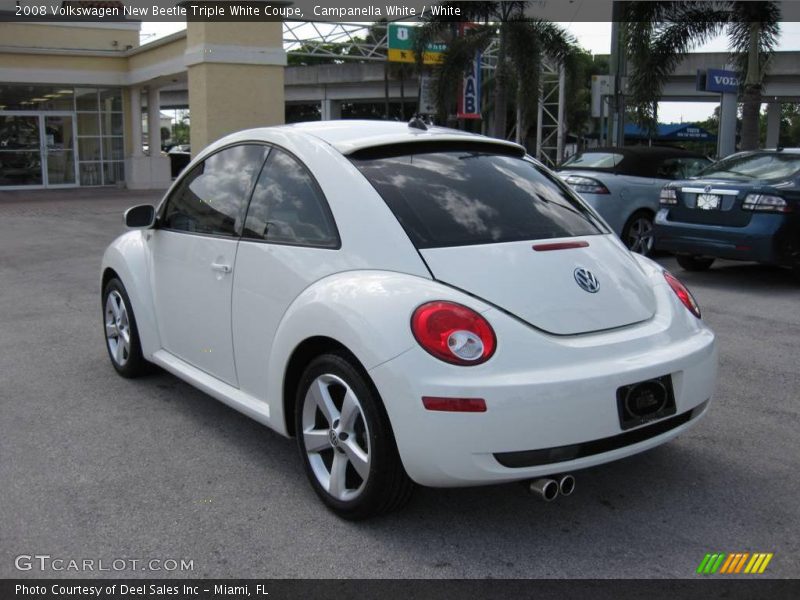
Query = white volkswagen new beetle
x=414 y=304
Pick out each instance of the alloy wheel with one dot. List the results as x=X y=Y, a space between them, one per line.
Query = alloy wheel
x=118 y=329
x=336 y=437
x=639 y=236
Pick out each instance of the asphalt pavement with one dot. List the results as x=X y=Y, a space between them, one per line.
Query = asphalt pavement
x=96 y=467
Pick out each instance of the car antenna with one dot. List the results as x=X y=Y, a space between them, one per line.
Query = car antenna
x=417 y=122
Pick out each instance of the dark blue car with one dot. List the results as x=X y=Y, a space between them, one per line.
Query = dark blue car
x=744 y=207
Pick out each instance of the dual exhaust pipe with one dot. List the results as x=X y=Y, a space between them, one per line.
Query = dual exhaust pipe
x=548 y=488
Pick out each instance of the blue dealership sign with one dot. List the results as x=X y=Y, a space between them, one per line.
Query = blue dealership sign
x=719 y=80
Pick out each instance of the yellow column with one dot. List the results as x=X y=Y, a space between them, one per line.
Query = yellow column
x=235 y=75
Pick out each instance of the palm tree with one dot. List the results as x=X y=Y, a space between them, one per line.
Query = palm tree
x=659 y=34
x=522 y=44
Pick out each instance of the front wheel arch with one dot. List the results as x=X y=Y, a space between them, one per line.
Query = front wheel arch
x=108 y=275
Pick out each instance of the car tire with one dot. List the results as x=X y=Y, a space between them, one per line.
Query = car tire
x=346 y=442
x=637 y=234
x=694 y=263
x=122 y=336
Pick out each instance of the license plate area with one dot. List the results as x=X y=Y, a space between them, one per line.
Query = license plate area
x=645 y=401
x=708 y=201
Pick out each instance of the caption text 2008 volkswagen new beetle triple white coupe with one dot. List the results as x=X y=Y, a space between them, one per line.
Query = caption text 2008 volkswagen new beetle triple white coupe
x=414 y=304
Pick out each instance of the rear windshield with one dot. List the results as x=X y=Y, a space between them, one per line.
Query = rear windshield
x=593 y=160
x=460 y=198
x=767 y=165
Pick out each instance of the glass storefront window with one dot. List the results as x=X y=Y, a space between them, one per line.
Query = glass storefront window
x=36 y=97
x=113 y=148
x=111 y=123
x=39 y=148
x=60 y=167
x=90 y=173
x=89 y=148
x=114 y=172
x=88 y=124
x=111 y=100
x=20 y=168
x=86 y=99
x=20 y=151
x=19 y=133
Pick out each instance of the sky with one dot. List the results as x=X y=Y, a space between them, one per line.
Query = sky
x=596 y=38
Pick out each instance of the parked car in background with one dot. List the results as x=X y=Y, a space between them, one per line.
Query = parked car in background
x=623 y=185
x=745 y=207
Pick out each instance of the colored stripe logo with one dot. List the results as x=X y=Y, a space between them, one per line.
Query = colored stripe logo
x=734 y=563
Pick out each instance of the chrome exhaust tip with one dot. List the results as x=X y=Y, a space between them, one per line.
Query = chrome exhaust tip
x=566 y=485
x=545 y=488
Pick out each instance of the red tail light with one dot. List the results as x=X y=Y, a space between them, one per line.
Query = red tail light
x=682 y=293
x=453 y=333
x=454 y=404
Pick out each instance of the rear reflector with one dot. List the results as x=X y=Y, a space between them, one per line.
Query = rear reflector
x=559 y=246
x=454 y=404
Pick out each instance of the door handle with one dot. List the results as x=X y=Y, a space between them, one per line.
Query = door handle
x=221 y=267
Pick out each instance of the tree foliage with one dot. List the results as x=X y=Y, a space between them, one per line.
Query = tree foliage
x=522 y=43
x=658 y=35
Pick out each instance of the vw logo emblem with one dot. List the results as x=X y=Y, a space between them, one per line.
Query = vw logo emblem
x=707 y=189
x=587 y=280
x=334 y=439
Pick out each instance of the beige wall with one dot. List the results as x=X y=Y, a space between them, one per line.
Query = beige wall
x=226 y=97
x=151 y=56
x=53 y=36
x=36 y=62
x=235 y=34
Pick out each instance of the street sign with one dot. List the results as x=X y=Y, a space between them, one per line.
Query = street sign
x=722 y=81
x=427 y=101
x=401 y=46
x=469 y=97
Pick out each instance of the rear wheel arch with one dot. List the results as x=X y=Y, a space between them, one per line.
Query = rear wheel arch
x=301 y=357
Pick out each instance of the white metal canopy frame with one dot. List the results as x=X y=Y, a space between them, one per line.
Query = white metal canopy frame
x=314 y=39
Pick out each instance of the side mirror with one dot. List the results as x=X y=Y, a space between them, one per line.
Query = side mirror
x=140 y=217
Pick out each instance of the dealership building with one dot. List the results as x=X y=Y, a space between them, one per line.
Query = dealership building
x=75 y=97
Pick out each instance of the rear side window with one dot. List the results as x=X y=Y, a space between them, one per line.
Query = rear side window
x=766 y=165
x=288 y=207
x=681 y=168
x=212 y=197
x=594 y=160
x=459 y=198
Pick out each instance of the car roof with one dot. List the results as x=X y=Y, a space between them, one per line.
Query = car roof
x=640 y=161
x=349 y=136
x=646 y=151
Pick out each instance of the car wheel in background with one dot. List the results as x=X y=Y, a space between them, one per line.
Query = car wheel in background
x=637 y=234
x=346 y=442
x=122 y=336
x=694 y=263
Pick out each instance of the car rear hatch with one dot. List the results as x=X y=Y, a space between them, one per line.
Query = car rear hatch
x=710 y=202
x=505 y=229
x=541 y=283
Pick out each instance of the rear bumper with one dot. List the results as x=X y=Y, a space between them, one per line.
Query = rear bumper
x=768 y=238
x=554 y=411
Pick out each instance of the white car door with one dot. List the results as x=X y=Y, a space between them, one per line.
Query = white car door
x=289 y=241
x=193 y=253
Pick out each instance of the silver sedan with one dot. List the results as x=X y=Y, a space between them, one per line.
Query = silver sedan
x=623 y=184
